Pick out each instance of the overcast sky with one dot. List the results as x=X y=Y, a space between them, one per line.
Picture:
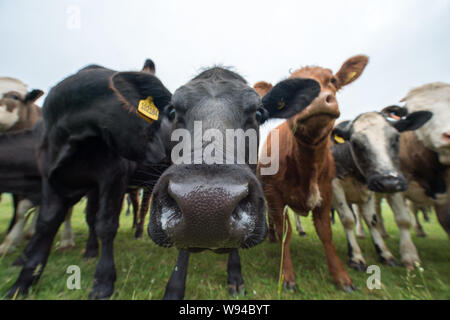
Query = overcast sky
x=408 y=41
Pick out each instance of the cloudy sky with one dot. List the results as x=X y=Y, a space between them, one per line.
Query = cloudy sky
x=408 y=41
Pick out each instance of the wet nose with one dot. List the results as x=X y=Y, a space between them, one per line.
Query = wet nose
x=446 y=137
x=387 y=184
x=209 y=214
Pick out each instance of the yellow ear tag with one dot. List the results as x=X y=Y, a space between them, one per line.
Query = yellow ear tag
x=351 y=76
x=281 y=105
x=147 y=110
x=338 y=139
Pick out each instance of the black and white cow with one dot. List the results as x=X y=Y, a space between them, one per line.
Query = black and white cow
x=199 y=205
x=366 y=156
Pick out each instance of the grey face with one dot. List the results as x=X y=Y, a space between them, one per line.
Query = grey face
x=211 y=206
x=375 y=147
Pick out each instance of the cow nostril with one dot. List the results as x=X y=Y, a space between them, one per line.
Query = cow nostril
x=446 y=136
x=330 y=99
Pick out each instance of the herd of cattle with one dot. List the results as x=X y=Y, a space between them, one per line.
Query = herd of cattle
x=87 y=141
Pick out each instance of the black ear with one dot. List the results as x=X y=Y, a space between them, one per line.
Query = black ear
x=33 y=95
x=290 y=97
x=342 y=131
x=394 y=112
x=149 y=66
x=132 y=87
x=413 y=121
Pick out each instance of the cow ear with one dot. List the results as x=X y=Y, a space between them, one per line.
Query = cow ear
x=262 y=87
x=413 y=121
x=149 y=66
x=342 y=132
x=136 y=88
x=351 y=70
x=33 y=95
x=290 y=97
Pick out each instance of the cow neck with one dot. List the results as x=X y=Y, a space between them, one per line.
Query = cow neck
x=310 y=159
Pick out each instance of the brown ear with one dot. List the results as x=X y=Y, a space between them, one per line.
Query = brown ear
x=351 y=70
x=262 y=88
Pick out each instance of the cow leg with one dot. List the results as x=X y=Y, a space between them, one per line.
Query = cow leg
x=271 y=231
x=111 y=194
x=32 y=227
x=176 y=286
x=367 y=210
x=53 y=211
x=145 y=203
x=278 y=216
x=12 y=222
x=322 y=223
x=360 y=232
x=443 y=214
x=417 y=225
x=235 y=281
x=67 y=236
x=299 y=227
x=339 y=202
x=381 y=226
x=134 y=198
x=91 y=250
x=15 y=236
x=402 y=217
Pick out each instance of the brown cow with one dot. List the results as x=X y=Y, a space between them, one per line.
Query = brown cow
x=306 y=165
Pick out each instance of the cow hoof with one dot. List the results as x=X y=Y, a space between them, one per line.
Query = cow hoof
x=138 y=234
x=349 y=288
x=421 y=234
x=17 y=291
x=289 y=286
x=90 y=254
x=302 y=234
x=358 y=265
x=361 y=236
x=391 y=262
x=411 y=264
x=101 y=292
x=236 y=290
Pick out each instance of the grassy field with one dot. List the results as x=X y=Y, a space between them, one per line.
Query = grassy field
x=143 y=268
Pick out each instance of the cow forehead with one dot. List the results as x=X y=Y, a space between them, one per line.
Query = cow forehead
x=8 y=84
x=322 y=75
x=370 y=122
x=429 y=97
x=231 y=93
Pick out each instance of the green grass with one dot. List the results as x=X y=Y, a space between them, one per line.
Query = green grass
x=143 y=268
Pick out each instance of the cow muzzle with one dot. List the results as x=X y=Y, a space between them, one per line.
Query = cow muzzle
x=387 y=183
x=210 y=212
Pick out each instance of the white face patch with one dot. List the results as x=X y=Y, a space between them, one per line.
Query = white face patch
x=8 y=119
x=373 y=126
x=434 y=97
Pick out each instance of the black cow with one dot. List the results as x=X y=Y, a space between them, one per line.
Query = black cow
x=91 y=145
x=207 y=205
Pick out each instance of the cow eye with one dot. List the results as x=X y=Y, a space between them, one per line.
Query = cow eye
x=13 y=96
x=171 y=113
x=259 y=116
x=333 y=81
